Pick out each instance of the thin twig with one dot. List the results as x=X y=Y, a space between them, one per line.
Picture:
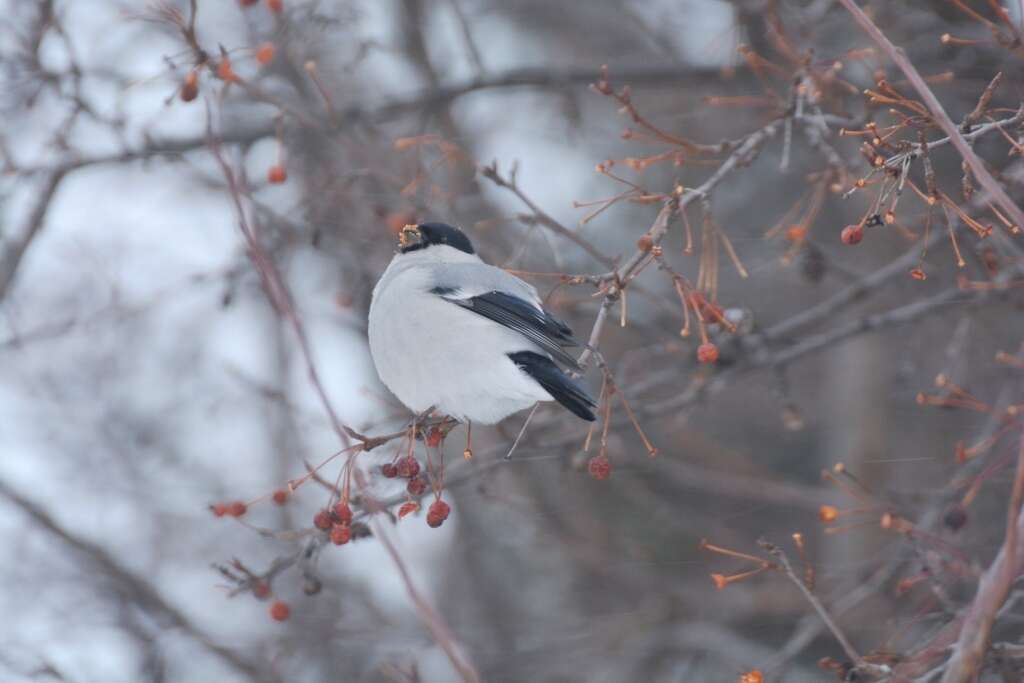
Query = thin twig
x=899 y=57
x=837 y=633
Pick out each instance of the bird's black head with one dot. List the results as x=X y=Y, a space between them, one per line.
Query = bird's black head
x=413 y=237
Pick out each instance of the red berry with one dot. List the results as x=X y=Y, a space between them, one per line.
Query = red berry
x=852 y=234
x=261 y=589
x=322 y=520
x=416 y=486
x=340 y=534
x=437 y=513
x=599 y=467
x=276 y=174
x=280 y=611
x=247 y=3
x=389 y=470
x=190 y=87
x=265 y=53
x=237 y=508
x=707 y=353
x=434 y=437
x=408 y=467
x=343 y=513
x=276 y=6
x=407 y=508
x=280 y=496
x=219 y=510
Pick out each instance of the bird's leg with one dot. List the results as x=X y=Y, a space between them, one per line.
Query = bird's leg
x=508 y=456
x=468 y=453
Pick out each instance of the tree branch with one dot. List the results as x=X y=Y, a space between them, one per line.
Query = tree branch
x=939 y=115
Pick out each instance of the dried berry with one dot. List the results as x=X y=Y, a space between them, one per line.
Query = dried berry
x=707 y=353
x=340 y=534
x=955 y=518
x=280 y=611
x=261 y=589
x=276 y=6
x=219 y=510
x=600 y=467
x=280 y=496
x=322 y=520
x=417 y=486
x=389 y=470
x=408 y=508
x=437 y=513
x=408 y=467
x=343 y=513
x=852 y=234
x=190 y=87
x=434 y=437
x=237 y=508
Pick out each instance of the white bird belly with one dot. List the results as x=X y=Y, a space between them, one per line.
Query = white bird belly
x=431 y=352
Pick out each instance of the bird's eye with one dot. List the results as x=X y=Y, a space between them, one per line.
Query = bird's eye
x=409 y=235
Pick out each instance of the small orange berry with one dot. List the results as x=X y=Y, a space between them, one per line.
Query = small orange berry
x=237 y=508
x=247 y=3
x=828 y=514
x=645 y=243
x=796 y=233
x=276 y=6
x=707 y=353
x=720 y=581
x=751 y=677
x=280 y=497
x=219 y=510
x=265 y=53
x=280 y=611
x=225 y=71
x=276 y=174
x=918 y=274
x=261 y=589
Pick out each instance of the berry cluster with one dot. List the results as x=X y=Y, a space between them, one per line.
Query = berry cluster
x=409 y=468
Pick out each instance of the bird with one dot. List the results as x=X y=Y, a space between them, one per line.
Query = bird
x=451 y=333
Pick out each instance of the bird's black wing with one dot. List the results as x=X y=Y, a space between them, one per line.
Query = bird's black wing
x=562 y=388
x=536 y=324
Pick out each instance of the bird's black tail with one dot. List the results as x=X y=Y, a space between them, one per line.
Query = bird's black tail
x=555 y=382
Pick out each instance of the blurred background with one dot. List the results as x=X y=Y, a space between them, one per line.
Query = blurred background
x=144 y=374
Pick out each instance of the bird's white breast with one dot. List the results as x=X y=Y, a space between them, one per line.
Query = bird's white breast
x=431 y=352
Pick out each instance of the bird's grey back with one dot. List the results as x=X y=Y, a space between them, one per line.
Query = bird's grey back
x=472 y=279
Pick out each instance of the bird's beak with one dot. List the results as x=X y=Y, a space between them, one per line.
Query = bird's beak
x=408 y=236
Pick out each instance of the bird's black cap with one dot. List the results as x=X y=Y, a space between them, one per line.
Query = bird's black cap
x=421 y=236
